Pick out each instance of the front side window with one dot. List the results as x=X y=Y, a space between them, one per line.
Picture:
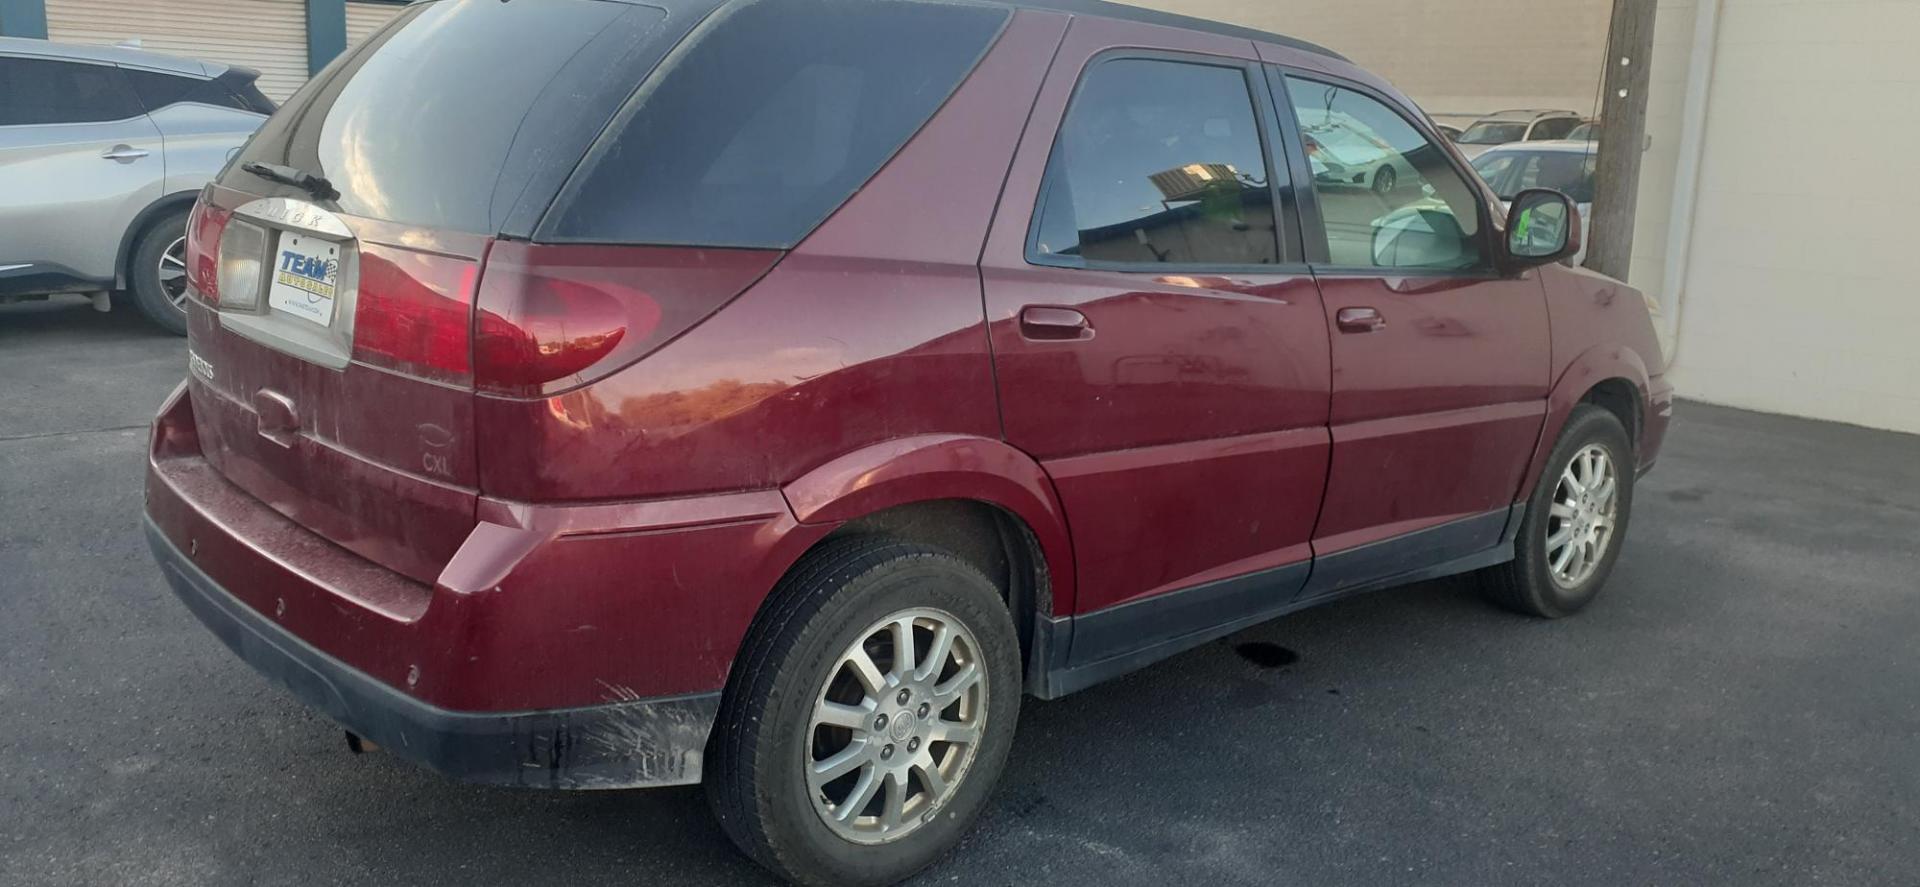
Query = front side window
x=1159 y=162
x=1387 y=196
x=37 y=91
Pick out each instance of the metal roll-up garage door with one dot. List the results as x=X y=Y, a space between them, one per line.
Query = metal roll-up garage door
x=269 y=36
x=364 y=18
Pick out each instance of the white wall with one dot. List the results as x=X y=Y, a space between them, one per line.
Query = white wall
x=1797 y=296
x=1800 y=295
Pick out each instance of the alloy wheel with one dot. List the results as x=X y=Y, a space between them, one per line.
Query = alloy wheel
x=173 y=273
x=1581 y=520
x=896 y=726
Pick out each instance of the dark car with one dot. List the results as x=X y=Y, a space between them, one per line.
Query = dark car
x=592 y=395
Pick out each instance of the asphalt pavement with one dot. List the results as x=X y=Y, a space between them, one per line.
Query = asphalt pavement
x=1742 y=705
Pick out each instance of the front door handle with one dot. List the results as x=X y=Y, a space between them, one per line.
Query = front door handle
x=1359 y=320
x=124 y=153
x=1049 y=324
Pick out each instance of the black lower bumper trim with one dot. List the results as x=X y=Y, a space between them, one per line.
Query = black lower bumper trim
x=628 y=744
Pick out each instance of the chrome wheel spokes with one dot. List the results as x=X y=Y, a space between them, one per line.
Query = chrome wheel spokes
x=173 y=273
x=1582 y=516
x=896 y=725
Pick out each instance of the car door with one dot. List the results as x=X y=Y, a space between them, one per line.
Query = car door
x=202 y=122
x=1158 y=343
x=1440 y=362
x=78 y=160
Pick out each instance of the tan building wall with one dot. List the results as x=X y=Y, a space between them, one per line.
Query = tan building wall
x=1457 y=58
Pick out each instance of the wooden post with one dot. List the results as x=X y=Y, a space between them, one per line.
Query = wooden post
x=1623 y=133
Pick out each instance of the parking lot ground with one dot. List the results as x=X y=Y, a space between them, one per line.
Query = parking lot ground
x=1741 y=706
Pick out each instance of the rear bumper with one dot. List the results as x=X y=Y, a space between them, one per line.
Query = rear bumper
x=628 y=744
x=565 y=646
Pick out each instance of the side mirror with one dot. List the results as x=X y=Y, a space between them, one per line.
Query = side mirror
x=1542 y=226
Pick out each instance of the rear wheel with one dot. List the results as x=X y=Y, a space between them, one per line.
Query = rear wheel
x=158 y=276
x=1575 y=521
x=869 y=715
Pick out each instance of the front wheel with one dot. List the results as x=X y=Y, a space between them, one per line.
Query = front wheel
x=1575 y=522
x=868 y=716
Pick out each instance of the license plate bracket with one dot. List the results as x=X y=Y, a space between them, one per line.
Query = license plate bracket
x=305 y=278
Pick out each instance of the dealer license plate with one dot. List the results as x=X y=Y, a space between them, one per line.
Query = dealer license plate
x=306 y=278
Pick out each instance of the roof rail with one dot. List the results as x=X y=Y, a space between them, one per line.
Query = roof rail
x=1105 y=9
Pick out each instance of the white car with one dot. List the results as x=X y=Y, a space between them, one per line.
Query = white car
x=1344 y=152
x=102 y=151
x=1565 y=165
x=1503 y=127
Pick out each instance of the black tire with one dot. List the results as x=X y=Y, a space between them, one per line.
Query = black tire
x=1385 y=180
x=143 y=275
x=754 y=777
x=1526 y=583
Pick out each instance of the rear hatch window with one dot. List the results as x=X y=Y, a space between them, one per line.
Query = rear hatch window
x=461 y=110
x=767 y=118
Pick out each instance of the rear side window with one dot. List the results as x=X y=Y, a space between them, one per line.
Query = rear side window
x=1159 y=162
x=1556 y=128
x=768 y=117
x=1564 y=171
x=234 y=90
x=242 y=88
x=458 y=109
x=157 y=90
x=38 y=91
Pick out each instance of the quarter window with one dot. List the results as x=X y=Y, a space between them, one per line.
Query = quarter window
x=35 y=91
x=157 y=90
x=1387 y=196
x=1159 y=163
x=1556 y=128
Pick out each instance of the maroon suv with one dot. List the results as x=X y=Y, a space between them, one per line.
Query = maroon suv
x=591 y=394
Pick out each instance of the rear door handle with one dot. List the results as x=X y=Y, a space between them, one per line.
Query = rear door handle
x=124 y=153
x=1050 y=324
x=1359 y=320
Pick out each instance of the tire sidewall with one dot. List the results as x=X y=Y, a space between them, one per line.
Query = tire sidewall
x=795 y=831
x=1588 y=425
x=144 y=275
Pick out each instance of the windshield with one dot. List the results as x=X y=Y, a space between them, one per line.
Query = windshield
x=1493 y=133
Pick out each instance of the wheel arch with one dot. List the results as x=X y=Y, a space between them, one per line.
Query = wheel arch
x=1613 y=377
x=986 y=501
x=130 y=238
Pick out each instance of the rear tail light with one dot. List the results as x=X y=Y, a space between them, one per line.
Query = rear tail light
x=414 y=313
x=204 y=228
x=552 y=318
x=243 y=246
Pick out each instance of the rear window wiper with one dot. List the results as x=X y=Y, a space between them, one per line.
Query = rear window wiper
x=318 y=186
